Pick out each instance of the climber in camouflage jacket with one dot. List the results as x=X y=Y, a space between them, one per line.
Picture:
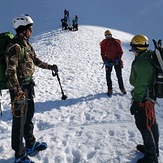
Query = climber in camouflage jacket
x=21 y=60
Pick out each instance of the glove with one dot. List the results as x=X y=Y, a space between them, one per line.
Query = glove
x=18 y=104
x=106 y=63
x=19 y=96
x=135 y=107
x=18 y=91
x=116 y=61
x=54 y=68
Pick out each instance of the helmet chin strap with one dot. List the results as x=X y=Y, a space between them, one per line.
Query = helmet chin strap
x=136 y=53
x=25 y=34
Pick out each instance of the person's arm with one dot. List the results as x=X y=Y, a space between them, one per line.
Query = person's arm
x=42 y=64
x=102 y=50
x=12 y=58
x=119 y=49
x=38 y=62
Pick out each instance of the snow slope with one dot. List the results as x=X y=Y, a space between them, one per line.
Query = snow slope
x=88 y=127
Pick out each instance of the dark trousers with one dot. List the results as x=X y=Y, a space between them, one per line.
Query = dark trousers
x=118 y=71
x=150 y=136
x=26 y=125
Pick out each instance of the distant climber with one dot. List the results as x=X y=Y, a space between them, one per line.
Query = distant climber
x=75 y=23
x=64 y=23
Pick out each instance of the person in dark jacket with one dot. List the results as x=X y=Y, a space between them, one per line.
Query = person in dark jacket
x=66 y=13
x=75 y=23
x=20 y=75
x=64 y=23
x=142 y=79
x=111 y=53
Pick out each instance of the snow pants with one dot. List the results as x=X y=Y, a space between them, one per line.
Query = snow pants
x=118 y=71
x=150 y=135
x=26 y=126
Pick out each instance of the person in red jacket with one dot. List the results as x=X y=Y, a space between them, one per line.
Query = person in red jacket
x=111 y=53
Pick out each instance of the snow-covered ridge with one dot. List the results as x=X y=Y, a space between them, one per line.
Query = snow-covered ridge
x=88 y=127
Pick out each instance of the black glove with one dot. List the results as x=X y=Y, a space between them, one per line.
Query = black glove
x=54 y=68
x=135 y=107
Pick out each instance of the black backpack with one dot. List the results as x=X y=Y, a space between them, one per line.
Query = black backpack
x=5 y=38
x=157 y=60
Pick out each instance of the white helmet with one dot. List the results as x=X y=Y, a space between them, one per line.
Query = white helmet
x=22 y=20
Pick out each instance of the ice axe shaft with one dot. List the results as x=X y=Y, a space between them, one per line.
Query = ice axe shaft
x=59 y=83
x=64 y=97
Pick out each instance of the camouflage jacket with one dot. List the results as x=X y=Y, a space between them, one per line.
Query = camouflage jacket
x=16 y=71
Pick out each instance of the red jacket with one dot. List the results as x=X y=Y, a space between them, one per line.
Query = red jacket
x=111 y=49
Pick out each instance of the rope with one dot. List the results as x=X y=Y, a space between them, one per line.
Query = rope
x=149 y=112
x=20 y=100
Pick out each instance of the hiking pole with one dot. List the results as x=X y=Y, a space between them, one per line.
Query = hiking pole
x=64 y=97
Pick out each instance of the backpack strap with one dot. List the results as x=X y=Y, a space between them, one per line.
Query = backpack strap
x=20 y=43
x=23 y=52
x=160 y=60
x=158 y=53
x=1 y=107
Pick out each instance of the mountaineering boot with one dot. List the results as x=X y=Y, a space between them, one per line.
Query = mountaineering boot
x=141 y=148
x=23 y=159
x=37 y=147
x=110 y=92
x=148 y=159
x=123 y=91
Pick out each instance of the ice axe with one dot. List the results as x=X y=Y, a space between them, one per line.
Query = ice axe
x=64 y=97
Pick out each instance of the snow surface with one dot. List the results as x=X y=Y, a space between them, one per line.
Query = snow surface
x=88 y=127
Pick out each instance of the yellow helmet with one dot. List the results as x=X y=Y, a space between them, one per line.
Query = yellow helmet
x=107 y=32
x=139 y=43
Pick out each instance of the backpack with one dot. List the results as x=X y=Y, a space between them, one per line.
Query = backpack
x=5 y=38
x=157 y=61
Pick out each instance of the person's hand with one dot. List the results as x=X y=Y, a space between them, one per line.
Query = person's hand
x=106 y=63
x=19 y=96
x=18 y=91
x=134 y=107
x=54 y=68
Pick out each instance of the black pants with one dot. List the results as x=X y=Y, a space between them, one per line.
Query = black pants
x=118 y=71
x=17 y=139
x=150 y=136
